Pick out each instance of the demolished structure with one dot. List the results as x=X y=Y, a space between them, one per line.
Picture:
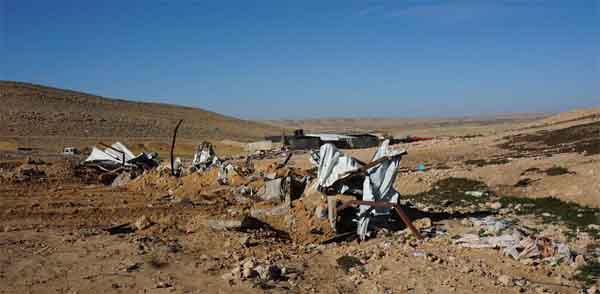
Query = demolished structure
x=301 y=141
x=370 y=183
x=119 y=156
x=204 y=157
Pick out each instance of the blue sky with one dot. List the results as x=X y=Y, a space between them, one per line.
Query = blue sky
x=298 y=59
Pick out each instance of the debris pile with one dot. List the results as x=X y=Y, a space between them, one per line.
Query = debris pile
x=119 y=156
x=205 y=157
x=370 y=184
x=517 y=242
x=115 y=165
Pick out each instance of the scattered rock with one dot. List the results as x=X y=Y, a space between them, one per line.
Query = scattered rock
x=495 y=205
x=506 y=280
x=121 y=180
x=142 y=223
x=423 y=223
x=245 y=240
x=269 y=273
x=347 y=262
x=248 y=269
x=225 y=224
x=279 y=210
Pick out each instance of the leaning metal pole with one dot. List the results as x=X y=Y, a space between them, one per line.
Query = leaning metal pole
x=173 y=148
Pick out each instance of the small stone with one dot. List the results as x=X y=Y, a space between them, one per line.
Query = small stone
x=227 y=277
x=466 y=270
x=495 y=205
x=244 y=241
x=506 y=280
x=164 y=285
x=249 y=264
x=142 y=223
x=540 y=290
x=248 y=273
x=423 y=223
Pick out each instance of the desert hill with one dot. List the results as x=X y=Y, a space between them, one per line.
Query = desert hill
x=39 y=111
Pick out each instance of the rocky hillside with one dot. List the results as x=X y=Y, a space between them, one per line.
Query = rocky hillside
x=35 y=110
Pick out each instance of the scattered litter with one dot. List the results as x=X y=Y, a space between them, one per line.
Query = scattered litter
x=474 y=193
x=516 y=242
x=142 y=223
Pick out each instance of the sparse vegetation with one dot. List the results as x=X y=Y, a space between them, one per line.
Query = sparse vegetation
x=554 y=210
x=557 y=171
x=588 y=273
x=347 y=262
x=584 y=139
x=484 y=162
x=453 y=192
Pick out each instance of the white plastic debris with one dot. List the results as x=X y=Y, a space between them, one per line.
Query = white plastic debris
x=516 y=242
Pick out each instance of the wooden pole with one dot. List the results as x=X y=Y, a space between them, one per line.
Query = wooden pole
x=173 y=148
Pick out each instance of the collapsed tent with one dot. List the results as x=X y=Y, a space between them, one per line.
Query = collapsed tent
x=342 y=174
x=118 y=155
x=379 y=184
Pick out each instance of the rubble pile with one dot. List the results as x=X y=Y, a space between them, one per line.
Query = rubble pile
x=517 y=242
x=264 y=200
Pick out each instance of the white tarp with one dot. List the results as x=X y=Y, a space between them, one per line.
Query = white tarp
x=114 y=156
x=205 y=156
x=110 y=155
x=379 y=185
x=379 y=180
x=121 y=147
x=333 y=165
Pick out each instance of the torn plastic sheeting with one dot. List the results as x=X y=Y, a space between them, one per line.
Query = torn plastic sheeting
x=121 y=147
x=379 y=185
x=334 y=165
x=379 y=182
x=475 y=241
x=314 y=157
x=514 y=241
x=98 y=155
x=111 y=156
x=224 y=170
x=205 y=156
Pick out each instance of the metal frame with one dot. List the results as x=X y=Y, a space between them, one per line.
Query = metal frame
x=384 y=204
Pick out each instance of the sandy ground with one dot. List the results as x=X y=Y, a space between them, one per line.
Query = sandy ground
x=54 y=238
